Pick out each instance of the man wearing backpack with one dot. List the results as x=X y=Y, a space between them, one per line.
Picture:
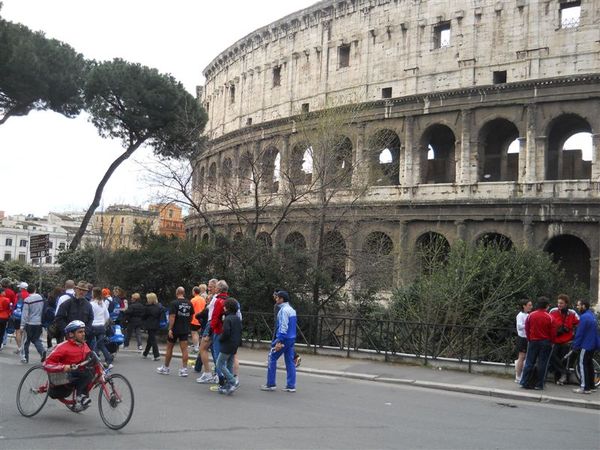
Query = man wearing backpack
x=77 y=308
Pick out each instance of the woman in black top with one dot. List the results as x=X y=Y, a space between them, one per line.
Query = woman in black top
x=152 y=312
x=134 y=316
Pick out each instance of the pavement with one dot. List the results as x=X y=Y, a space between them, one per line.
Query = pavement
x=491 y=385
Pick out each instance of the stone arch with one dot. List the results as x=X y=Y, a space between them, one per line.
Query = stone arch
x=205 y=238
x=265 y=239
x=562 y=163
x=437 y=155
x=212 y=176
x=270 y=170
x=573 y=255
x=496 y=240
x=384 y=158
x=301 y=167
x=338 y=162
x=334 y=256
x=295 y=240
x=432 y=250
x=376 y=267
x=227 y=172
x=245 y=176
x=499 y=161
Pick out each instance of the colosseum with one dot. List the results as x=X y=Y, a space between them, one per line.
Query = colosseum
x=469 y=120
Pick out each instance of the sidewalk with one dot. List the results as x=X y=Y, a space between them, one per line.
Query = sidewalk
x=424 y=377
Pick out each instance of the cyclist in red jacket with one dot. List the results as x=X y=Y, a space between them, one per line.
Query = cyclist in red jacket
x=65 y=358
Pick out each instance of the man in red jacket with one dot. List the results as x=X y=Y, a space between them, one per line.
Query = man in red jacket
x=540 y=335
x=565 y=320
x=65 y=358
x=216 y=323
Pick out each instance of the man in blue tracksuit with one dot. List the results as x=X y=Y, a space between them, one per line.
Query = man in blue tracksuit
x=283 y=344
x=587 y=340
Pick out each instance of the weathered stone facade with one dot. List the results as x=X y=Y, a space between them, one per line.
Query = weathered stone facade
x=451 y=84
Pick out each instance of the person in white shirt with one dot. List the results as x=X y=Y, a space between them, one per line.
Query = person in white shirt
x=101 y=318
x=526 y=307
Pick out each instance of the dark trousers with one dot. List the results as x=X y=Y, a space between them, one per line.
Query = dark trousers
x=33 y=335
x=133 y=330
x=3 y=323
x=80 y=380
x=557 y=363
x=538 y=353
x=152 y=344
x=586 y=368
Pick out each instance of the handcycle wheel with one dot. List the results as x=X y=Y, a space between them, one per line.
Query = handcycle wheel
x=32 y=393
x=115 y=401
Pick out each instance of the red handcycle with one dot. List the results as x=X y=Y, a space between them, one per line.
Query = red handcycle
x=115 y=396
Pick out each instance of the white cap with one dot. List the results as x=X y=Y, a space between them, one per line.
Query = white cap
x=23 y=285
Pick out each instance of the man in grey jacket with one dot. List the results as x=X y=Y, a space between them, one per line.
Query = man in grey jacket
x=31 y=322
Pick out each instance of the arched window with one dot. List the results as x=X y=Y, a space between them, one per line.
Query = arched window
x=384 y=151
x=376 y=268
x=296 y=241
x=569 y=154
x=334 y=256
x=270 y=170
x=499 y=151
x=573 y=255
x=301 y=167
x=432 y=250
x=437 y=158
x=495 y=240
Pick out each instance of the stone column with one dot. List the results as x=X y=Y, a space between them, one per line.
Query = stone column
x=461 y=230
x=596 y=157
x=284 y=165
x=463 y=176
x=409 y=177
x=403 y=260
x=528 y=233
x=530 y=154
x=522 y=160
x=541 y=147
x=360 y=172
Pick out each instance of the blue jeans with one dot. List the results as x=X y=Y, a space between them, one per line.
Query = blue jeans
x=538 y=353
x=33 y=335
x=98 y=343
x=225 y=366
x=288 y=354
x=216 y=349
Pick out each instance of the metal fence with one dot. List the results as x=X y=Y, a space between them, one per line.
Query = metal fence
x=465 y=344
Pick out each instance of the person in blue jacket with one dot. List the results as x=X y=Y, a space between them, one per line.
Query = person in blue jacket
x=587 y=340
x=283 y=344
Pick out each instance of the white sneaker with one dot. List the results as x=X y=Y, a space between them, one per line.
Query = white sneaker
x=163 y=370
x=215 y=379
x=183 y=372
x=205 y=378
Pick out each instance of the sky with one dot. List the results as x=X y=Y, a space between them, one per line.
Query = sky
x=51 y=163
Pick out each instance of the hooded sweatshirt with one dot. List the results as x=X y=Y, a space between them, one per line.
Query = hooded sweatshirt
x=33 y=308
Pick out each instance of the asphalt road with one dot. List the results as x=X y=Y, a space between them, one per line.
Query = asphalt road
x=326 y=413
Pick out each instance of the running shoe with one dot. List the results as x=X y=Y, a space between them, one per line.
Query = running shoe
x=581 y=391
x=205 y=378
x=183 y=372
x=290 y=389
x=163 y=370
x=265 y=387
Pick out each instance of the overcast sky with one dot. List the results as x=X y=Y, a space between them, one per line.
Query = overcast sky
x=51 y=163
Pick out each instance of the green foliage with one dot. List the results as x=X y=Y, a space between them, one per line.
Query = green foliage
x=16 y=271
x=481 y=286
x=135 y=103
x=38 y=73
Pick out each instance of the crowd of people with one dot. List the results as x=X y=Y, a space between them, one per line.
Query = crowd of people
x=80 y=317
x=545 y=338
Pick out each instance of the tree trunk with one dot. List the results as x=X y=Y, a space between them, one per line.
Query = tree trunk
x=98 y=196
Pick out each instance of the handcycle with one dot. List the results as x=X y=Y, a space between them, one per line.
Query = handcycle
x=571 y=359
x=115 y=396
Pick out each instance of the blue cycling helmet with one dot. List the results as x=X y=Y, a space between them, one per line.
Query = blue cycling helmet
x=74 y=325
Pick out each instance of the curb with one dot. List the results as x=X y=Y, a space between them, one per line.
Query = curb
x=465 y=389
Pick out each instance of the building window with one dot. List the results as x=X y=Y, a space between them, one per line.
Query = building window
x=50 y=244
x=441 y=35
x=386 y=92
x=344 y=55
x=22 y=257
x=23 y=243
x=570 y=13
x=8 y=242
x=48 y=259
x=122 y=219
x=7 y=257
x=207 y=107
x=232 y=94
x=249 y=121
x=305 y=108
x=499 y=76
x=170 y=214
x=62 y=246
x=277 y=76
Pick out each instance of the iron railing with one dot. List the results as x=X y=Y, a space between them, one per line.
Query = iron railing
x=461 y=343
